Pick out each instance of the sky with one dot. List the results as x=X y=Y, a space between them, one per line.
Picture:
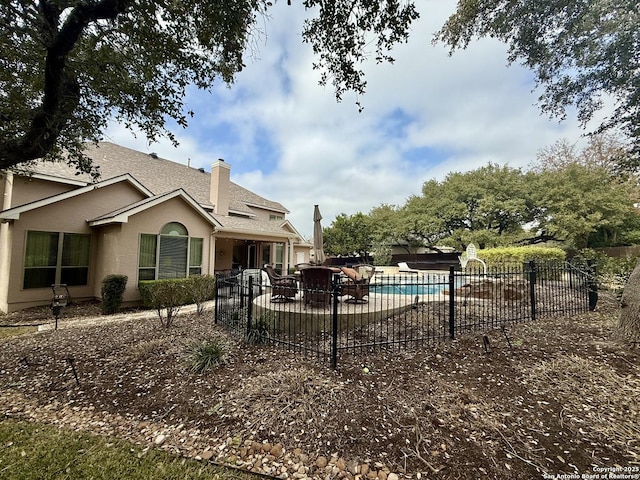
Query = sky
x=428 y=114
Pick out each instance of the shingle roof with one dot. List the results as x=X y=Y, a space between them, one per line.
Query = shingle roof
x=158 y=175
x=161 y=176
x=249 y=224
x=122 y=214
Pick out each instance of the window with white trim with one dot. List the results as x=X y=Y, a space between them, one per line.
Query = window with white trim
x=169 y=254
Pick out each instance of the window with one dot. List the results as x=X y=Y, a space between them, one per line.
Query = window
x=171 y=254
x=279 y=261
x=56 y=257
x=195 y=256
x=275 y=217
x=266 y=253
x=147 y=259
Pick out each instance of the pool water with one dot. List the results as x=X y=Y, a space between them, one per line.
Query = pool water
x=409 y=289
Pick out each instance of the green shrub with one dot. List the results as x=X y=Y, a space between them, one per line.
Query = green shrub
x=259 y=330
x=612 y=273
x=208 y=354
x=165 y=296
x=515 y=257
x=201 y=288
x=112 y=290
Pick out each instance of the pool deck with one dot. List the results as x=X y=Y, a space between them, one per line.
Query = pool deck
x=376 y=307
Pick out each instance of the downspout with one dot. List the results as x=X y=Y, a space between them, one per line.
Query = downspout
x=5 y=244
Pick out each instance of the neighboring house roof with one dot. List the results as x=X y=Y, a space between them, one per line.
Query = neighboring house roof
x=158 y=175
x=14 y=213
x=122 y=214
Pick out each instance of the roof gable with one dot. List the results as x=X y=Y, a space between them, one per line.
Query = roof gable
x=122 y=214
x=15 y=212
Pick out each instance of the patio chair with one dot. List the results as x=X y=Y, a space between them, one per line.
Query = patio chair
x=283 y=287
x=316 y=285
x=356 y=285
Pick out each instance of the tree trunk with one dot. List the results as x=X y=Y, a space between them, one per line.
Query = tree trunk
x=629 y=319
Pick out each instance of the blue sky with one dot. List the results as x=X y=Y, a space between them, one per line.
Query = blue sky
x=428 y=114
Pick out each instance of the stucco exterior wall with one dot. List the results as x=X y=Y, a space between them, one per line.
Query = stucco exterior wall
x=69 y=216
x=119 y=244
x=224 y=254
x=264 y=214
x=27 y=190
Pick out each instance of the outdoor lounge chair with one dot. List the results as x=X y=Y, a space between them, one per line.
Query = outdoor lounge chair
x=283 y=287
x=404 y=268
x=356 y=285
x=316 y=285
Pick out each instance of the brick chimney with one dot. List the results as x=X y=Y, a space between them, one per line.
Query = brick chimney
x=219 y=193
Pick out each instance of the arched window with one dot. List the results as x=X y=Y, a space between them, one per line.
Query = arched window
x=174 y=229
x=170 y=254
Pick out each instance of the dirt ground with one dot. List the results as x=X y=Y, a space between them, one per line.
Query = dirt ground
x=551 y=397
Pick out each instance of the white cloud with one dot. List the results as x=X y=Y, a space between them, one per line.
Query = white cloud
x=294 y=144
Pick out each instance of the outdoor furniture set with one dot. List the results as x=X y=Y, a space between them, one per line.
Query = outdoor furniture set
x=316 y=284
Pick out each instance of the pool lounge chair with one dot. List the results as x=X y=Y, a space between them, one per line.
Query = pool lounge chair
x=404 y=268
x=356 y=283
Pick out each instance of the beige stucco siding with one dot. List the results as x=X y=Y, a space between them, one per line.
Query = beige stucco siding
x=119 y=244
x=26 y=190
x=69 y=216
x=263 y=214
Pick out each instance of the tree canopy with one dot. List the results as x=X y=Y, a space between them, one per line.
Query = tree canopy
x=574 y=198
x=348 y=235
x=68 y=67
x=580 y=51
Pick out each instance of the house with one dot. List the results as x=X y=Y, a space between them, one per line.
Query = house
x=146 y=217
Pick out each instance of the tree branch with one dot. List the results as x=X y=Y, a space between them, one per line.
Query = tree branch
x=61 y=89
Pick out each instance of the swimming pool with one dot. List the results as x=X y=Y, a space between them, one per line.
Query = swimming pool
x=409 y=289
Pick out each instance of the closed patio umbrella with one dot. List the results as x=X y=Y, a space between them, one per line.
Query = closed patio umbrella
x=318 y=247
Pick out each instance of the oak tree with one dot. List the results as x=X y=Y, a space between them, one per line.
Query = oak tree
x=68 y=67
x=581 y=51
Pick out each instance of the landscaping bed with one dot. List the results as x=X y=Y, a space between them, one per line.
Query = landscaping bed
x=552 y=396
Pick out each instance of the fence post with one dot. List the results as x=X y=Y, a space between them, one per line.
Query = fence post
x=241 y=288
x=452 y=303
x=217 y=301
x=592 y=285
x=249 y=305
x=532 y=288
x=334 y=322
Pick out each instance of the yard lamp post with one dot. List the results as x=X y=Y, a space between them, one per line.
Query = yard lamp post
x=60 y=299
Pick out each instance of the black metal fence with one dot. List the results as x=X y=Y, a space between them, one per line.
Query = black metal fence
x=412 y=310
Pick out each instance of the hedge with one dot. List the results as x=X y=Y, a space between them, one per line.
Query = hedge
x=515 y=257
x=194 y=289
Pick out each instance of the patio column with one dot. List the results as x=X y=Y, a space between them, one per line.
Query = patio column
x=212 y=254
x=291 y=254
x=285 y=258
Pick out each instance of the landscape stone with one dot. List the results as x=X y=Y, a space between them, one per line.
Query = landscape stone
x=277 y=450
x=206 y=455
